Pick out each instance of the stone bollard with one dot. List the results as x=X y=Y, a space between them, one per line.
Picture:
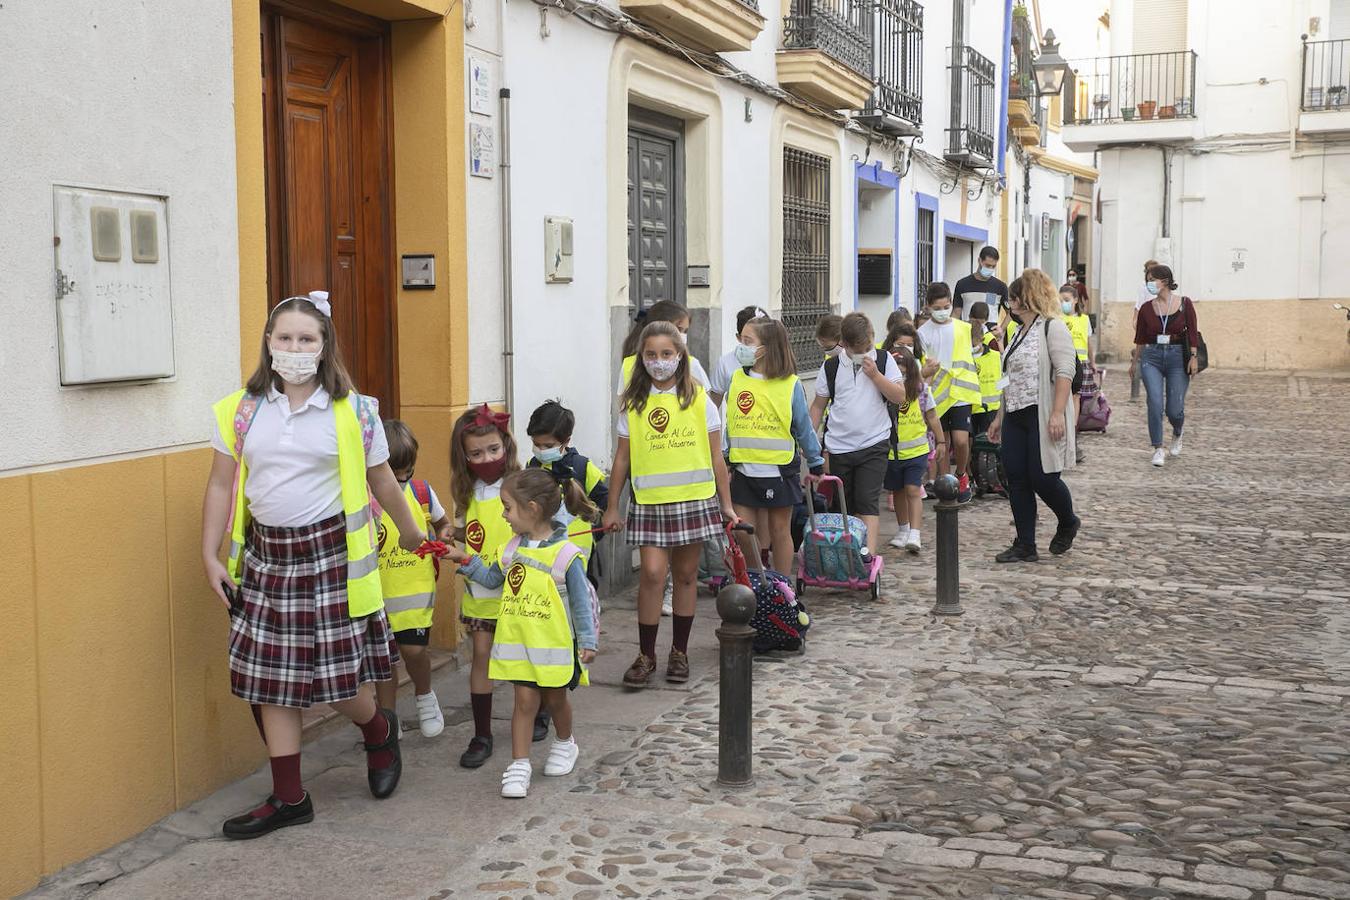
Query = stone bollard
x=948 y=550
x=736 y=606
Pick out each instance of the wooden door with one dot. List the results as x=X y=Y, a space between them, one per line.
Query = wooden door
x=329 y=180
x=655 y=213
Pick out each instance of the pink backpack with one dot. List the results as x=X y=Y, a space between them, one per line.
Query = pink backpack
x=1095 y=412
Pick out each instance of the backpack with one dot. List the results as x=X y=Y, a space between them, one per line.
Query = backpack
x=422 y=493
x=892 y=410
x=1079 y=372
x=565 y=556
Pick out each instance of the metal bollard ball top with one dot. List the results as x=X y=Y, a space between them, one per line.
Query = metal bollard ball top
x=736 y=604
x=946 y=488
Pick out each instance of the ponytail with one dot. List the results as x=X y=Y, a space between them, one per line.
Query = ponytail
x=576 y=500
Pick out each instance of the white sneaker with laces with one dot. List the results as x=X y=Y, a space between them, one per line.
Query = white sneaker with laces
x=429 y=716
x=1176 y=445
x=901 y=536
x=914 y=543
x=1159 y=457
x=516 y=779
x=562 y=757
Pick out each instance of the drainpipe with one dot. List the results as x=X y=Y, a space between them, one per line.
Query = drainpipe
x=508 y=335
x=1167 y=192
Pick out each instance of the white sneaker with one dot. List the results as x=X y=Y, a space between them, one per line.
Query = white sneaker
x=516 y=779
x=562 y=757
x=901 y=537
x=429 y=715
x=1176 y=445
x=914 y=543
x=1159 y=457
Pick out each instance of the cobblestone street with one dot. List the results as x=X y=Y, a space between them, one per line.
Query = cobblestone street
x=1160 y=713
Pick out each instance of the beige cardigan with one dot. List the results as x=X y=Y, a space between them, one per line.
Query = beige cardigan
x=1057 y=356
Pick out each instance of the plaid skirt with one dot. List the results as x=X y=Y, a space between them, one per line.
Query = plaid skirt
x=674 y=524
x=292 y=642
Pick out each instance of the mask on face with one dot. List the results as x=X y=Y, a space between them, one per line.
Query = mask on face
x=662 y=369
x=1072 y=278
x=746 y=355
x=857 y=358
x=1151 y=287
x=489 y=472
x=986 y=271
x=835 y=350
x=548 y=455
x=1066 y=307
x=295 y=367
x=940 y=315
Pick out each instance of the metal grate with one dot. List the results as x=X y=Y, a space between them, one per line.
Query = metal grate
x=1023 y=83
x=1326 y=75
x=841 y=29
x=806 y=251
x=925 y=257
x=897 y=61
x=971 y=135
x=1139 y=87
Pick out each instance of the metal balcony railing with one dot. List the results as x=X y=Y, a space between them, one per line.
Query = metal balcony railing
x=753 y=4
x=897 y=64
x=1133 y=88
x=1022 y=84
x=1326 y=75
x=970 y=139
x=841 y=29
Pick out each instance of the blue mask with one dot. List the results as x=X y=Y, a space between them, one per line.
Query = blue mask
x=1067 y=308
x=746 y=355
x=548 y=455
x=986 y=272
x=1152 y=288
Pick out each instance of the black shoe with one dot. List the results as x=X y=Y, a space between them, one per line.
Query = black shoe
x=1017 y=553
x=541 y=726
x=480 y=748
x=1064 y=536
x=248 y=826
x=383 y=781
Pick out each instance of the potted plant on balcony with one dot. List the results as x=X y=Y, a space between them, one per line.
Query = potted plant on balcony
x=1147 y=108
x=1127 y=113
x=1020 y=11
x=1183 y=107
x=1335 y=96
x=1167 y=112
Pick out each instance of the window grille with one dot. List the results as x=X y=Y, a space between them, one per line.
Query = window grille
x=806 y=251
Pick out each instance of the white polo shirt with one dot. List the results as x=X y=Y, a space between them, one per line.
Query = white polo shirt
x=859 y=417
x=292 y=460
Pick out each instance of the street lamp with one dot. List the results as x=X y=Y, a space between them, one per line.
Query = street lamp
x=1050 y=67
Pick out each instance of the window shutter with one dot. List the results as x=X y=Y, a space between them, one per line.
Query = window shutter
x=1160 y=25
x=1339 y=27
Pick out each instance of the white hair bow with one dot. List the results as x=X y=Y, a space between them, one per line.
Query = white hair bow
x=320 y=301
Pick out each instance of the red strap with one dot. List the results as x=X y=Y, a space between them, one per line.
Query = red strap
x=422 y=491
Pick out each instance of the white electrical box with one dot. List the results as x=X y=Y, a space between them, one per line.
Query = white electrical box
x=557 y=250
x=114 y=316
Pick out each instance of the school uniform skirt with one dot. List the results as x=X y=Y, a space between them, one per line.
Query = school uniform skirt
x=674 y=524
x=292 y=642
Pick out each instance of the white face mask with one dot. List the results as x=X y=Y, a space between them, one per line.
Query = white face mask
x=857 y=358
x=295 y=367
x=835 y=350
x=940 y=315
x=662 y=369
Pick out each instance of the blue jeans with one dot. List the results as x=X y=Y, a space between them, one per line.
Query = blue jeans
x=1027 y=480
x=1163 y=367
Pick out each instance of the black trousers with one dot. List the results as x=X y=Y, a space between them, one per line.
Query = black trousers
x=1021 y=452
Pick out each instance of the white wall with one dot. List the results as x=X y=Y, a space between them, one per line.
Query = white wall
x=158 y=118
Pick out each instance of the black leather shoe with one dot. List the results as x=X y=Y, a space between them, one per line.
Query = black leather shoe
x=248 y=826
x=480 y=748
x=541 y=726
x=1017 y=553
x=1063 y=538
x=383 y=781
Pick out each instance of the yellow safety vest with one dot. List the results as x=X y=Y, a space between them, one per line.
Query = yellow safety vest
x=485 y=533
x=363 y=574
x=408 y=582
x=759 y=419
x=669 y=453
x=961 y=383
x=1079 y=326
x=534 y=640
x=911 y=432
x=989 y=365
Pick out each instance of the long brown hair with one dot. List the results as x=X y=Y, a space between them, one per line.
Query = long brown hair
x=539 y=487
x=909 y=367
x=332 y=376
x=660 y=311
x=461 y=478
x=904 y=329
x=778 y=360
x=639 y=385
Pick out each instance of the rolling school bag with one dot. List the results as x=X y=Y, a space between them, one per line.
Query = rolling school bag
x=832 y=543
x=780 y=620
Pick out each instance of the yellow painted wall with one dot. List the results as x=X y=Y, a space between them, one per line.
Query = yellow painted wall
x=250 y=175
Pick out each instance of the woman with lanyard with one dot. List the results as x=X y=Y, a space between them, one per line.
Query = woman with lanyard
x=1165 y=339
x=1034 y=422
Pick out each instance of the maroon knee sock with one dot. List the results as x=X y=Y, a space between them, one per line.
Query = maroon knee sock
x=647 y=639
x=482 y=714
x=682 y=626
x=376 y=731
x=285 y=783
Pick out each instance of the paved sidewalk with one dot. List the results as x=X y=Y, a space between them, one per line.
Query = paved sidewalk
x=1160 y=713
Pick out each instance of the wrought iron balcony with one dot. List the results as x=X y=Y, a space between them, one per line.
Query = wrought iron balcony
x=896 y=104
x=841 y=29
x=970 y=139
x=1326 y=75
x=1137 y=88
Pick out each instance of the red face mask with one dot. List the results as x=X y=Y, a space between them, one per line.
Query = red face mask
x=489 y=472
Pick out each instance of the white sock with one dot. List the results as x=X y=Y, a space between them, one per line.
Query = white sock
x=570 y=740
x=525 y=760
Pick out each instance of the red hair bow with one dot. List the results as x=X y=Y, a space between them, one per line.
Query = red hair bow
x=484 y=416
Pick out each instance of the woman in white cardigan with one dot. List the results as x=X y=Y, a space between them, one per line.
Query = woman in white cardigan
x=1035 y=419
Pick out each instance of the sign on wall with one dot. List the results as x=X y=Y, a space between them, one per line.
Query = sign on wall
x=480 y=87
x=482 y=150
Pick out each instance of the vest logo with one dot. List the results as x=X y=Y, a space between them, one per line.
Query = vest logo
x=474 y=535
x=745 y=401
x=659 y=418
x=515 y=577
x=381 y=533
